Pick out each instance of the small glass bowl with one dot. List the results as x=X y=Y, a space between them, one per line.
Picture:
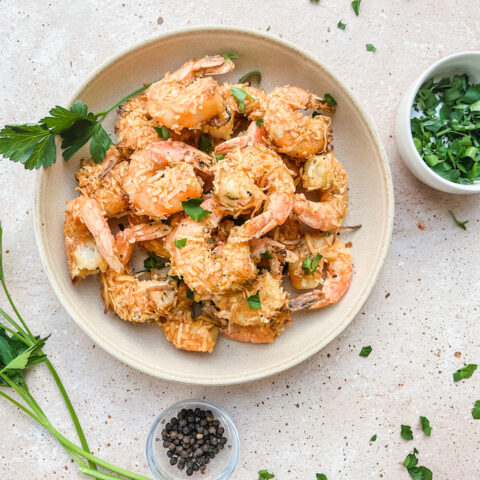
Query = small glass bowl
x=220 y=467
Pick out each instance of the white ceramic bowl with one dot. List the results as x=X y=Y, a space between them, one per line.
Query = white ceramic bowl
x=371 y=204
x=465 y=62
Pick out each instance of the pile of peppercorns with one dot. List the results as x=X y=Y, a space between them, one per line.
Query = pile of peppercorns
x=193 y=438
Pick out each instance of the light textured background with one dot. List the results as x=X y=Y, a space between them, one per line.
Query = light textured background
x=319 y=416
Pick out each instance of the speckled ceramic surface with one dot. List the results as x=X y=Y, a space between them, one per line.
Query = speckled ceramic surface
x=371 y=204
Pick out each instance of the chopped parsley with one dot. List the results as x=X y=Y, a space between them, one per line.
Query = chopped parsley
x=341 y=25
x=180 y=243
x=425 y=424
x=153 y=262
x=462 y=225
x=264 y=475
x=254 y=304
x=373 y=438
x=446 y=127
x=205 y=143
x=240 y=95
x=356 y=6
x=259 y=122
x=268 y=28
x=370 y=47
x=219 y=157
x=266 y=255
x=464 y=372
x=176 y=278
x=310 y=264
x=255 y=74
x=365 y=351
x=417 y=473
x=189 y=294
x=406 y=432
x=476 y=410
x=331 y=102
x=194 y=210
x=162 y=132
x=230 y=56
x=321 y=476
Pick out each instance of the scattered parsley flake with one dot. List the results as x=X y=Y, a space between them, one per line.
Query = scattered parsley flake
x=230 y=56
x=259 y=122
x=425 y=424
x=264 y=475
x=356 y=6
x=476 y=410
x=406 y=432
x=464 y=372
x=321 y=476
x=416 y=473
x=189 y=294
x=162 y=132
x=180 y=243
x=219 y=157
x=268 y=28
x=266 y=255
x=310 y=264
x=329 y=99
x=194 y=210
x=373 y=438
x=240 y=95
x=153 y=261
x=254 y=304
x=370 y=47
x=255 y=73
x=205 y=143
x=462 y=225
x=341 y=25
x=365 y=351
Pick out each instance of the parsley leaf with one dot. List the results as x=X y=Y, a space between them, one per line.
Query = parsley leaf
x=356 y=6
x=373 y=438
x=464 y=372
x=240 y=96
x=341 y=25
x=205 y=143
x=230 y=56
x=189 y=294
x=411 y=461
x=462 y=225
x=310 y=264
x=425 y=423
x=219 y=157
x=259 y=122
x=331 y=102
x=194 y=210
x=264 y=475
x=99 y=143
x=180 y=243
x=370 y=47
x=365 y=351
x=153 y=262
x=476 y=410
x=162 y=132
x=406 y=432
x=254 y=73
x=321 y=476
x=254 y=304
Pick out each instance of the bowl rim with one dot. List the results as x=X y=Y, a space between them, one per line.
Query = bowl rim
x=299 y=358
x=411 y=94
x=219 y=412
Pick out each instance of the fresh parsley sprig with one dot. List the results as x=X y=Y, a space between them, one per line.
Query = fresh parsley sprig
x=34 y=145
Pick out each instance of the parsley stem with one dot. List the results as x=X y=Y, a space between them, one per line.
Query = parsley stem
x=123 y=100
x=20 y=406
x=15 y=334
x=96 y=473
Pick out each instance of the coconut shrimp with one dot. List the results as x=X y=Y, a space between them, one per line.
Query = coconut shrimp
x=291 y=131
x=189 y=97
x=104 y=183
x=332 y=276
x=207 y=267
x=254 y=325
x=248 y=178
x=162 y=175
x=326 y=174
x=89 y=242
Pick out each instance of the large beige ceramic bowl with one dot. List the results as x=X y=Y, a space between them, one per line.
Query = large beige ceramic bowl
x=371 y=204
